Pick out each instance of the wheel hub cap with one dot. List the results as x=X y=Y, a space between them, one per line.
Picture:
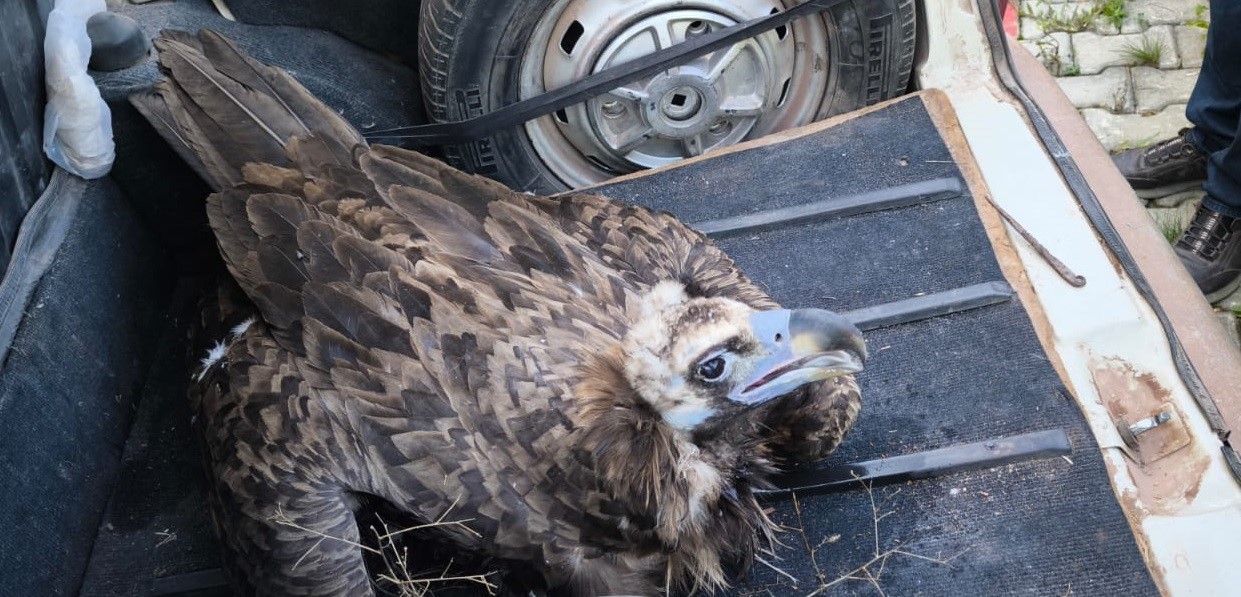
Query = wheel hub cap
x=719 y=99
x=680 y=103
x=684 y=108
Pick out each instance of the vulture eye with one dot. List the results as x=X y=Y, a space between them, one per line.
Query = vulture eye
x=712 y=369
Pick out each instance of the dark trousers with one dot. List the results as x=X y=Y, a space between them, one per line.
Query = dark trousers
x=1215 y=108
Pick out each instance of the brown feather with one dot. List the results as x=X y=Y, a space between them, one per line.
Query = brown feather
x=155 y=107
x=309 y=113
x=446 y=224
x=316 y=240
x=287 y=180
x=228 y=110
x=251 y=120
x=472 y=193
x=363 y=316
x=314 y=152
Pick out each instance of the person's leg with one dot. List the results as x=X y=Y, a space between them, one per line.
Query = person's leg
x=1211 y=248
x=1215 y=109
x=1182 y=162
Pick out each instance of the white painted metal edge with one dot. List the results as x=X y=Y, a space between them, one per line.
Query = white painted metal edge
x=1193 y=547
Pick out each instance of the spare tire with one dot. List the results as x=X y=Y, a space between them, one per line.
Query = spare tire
x=479 y=55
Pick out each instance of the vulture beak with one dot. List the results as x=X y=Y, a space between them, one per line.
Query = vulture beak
x=803 y=346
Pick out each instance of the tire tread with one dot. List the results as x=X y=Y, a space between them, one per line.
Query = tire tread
x=907 y=15
x=438 y=21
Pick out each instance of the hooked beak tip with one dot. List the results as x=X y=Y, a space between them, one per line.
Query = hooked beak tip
x=819 y=331
x=804 y=346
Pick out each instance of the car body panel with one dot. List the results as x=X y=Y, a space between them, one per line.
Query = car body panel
x=1184 y=504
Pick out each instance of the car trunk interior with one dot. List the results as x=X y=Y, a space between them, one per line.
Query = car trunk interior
x=861 y=214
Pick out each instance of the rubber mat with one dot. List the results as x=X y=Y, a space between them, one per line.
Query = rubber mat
x=156 y=524
x=72 y=377
x=1039 y=527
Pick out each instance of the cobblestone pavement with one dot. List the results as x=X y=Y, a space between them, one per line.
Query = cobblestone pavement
x=1129 y=67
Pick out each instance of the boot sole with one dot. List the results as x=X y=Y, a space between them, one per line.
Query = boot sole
x=1225 y=291
x=1166 y=190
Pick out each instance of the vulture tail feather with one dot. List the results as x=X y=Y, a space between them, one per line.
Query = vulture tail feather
x=154 y=107
x=303 y=107
x=191 y=67
x=233 y=64
x=222 y=109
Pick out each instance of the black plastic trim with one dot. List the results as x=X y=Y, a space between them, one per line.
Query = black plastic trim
x=990 y=453
x=180 y=584
x=930 y=305
x=925 y=191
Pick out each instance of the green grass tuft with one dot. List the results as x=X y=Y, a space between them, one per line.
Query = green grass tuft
x=1171 y=226
x=1114 y=11
x=1066 y=18
x=1148 y=52
x=1199 y=20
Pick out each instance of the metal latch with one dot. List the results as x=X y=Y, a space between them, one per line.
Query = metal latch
x=1155 y=436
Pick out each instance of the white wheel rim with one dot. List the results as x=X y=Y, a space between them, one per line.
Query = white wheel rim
x=769 y=83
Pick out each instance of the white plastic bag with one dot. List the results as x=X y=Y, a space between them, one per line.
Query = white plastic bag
x=77 y=125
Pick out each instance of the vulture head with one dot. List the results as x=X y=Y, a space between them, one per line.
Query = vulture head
x=701 y=361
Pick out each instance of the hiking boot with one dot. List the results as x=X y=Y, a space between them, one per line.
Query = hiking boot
x=1163 y=168
x=1211 y=250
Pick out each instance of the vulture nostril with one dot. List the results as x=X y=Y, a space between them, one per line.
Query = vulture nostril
x=779 y=337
